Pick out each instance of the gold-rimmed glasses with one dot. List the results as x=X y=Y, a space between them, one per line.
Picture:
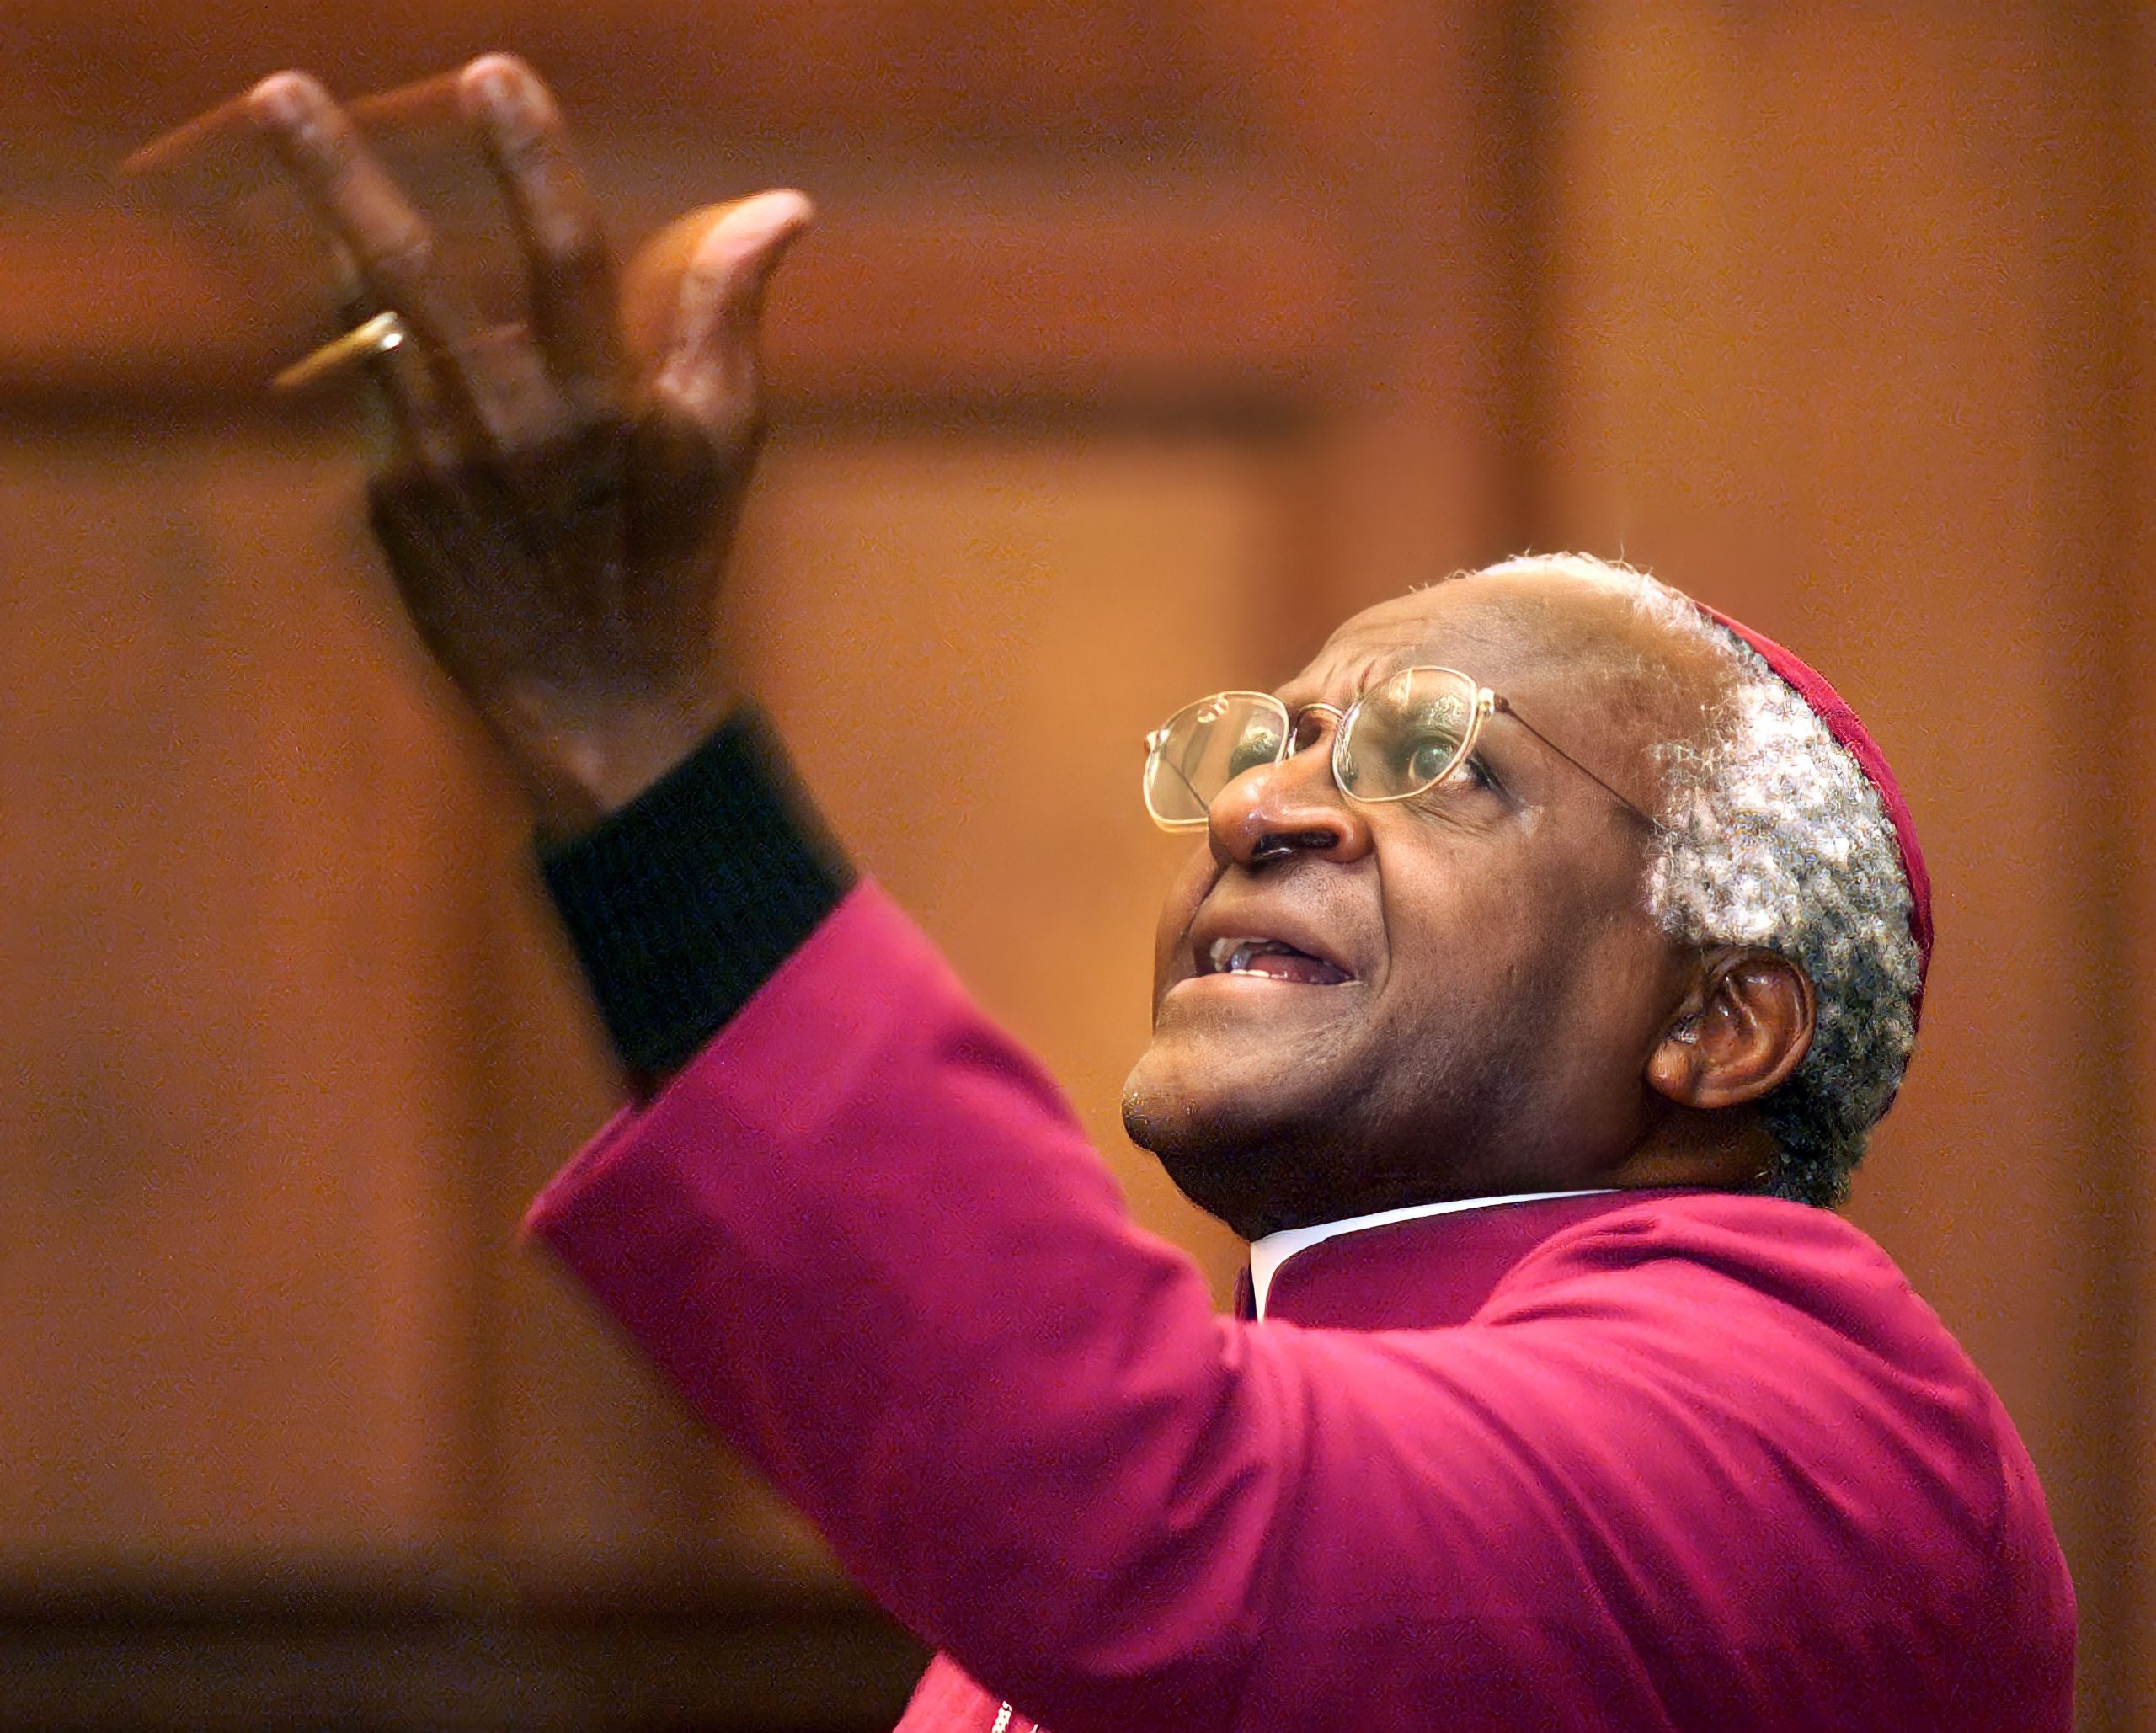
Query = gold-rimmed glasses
x=1401 y=737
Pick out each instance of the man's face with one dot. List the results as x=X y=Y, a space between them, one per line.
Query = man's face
x=1450 y=995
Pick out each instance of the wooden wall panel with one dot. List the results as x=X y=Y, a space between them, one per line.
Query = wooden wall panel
x=1834 y=336
x=1055 y=75
x=1228 y=297
x=231 y=1280
x=1022 y=201
x=2131 y=1407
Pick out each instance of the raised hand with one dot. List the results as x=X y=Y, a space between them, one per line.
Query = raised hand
x=559 y=513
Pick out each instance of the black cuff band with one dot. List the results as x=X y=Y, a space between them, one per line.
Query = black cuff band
x=687 y=900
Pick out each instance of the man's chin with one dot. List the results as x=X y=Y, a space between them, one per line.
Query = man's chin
x=1244 y=1154
x=1188 y=1092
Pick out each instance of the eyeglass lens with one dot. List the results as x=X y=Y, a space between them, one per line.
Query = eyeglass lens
x=1405 y=735
x=1205 y=746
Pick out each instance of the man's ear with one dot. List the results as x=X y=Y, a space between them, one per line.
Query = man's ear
x=1745 y=1029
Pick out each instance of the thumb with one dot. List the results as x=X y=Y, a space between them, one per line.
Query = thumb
x=709 y=347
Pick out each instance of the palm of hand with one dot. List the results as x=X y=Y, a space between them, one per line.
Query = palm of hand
x=575 y=572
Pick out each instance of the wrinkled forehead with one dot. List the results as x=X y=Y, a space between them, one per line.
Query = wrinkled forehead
x=1555 y=644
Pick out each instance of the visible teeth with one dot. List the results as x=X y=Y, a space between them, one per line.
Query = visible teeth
x=1236 y=956
x=1232 y=957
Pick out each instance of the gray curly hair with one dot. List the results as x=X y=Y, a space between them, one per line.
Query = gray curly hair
x=1777 y=839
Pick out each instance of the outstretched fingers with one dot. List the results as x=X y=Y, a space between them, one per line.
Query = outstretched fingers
x=489 y=393
x=570 y=266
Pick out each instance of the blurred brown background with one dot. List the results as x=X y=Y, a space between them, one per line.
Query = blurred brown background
x=1141 y=340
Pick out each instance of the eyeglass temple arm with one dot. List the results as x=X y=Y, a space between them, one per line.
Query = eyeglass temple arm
x=1647 y=819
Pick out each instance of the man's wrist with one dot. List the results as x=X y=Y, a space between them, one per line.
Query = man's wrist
x=683 y=901
x=579 y=764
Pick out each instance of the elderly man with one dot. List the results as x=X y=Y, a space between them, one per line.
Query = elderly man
x=1547 y=947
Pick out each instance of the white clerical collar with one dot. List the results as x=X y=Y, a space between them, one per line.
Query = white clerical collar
x=1274 y=1249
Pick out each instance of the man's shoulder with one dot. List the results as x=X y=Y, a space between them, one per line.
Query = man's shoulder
x=1788 y=1327
x=1765 y=1245
x=1752 y=1292
x=1748 y=1281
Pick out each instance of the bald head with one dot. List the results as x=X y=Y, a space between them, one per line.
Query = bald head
x=1656 y=669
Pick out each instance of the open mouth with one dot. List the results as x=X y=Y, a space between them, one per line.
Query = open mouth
x=1271 y=959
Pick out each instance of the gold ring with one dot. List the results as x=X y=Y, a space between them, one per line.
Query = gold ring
x=379 y=335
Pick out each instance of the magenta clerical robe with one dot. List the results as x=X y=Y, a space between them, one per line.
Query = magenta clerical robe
x=1649 y=1460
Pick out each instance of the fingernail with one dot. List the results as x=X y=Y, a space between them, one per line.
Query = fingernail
x=504 y=89
x=768 y=217
x=278 y=98
x=498 y=91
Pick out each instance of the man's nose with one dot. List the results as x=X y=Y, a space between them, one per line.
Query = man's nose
x=1285 y=808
